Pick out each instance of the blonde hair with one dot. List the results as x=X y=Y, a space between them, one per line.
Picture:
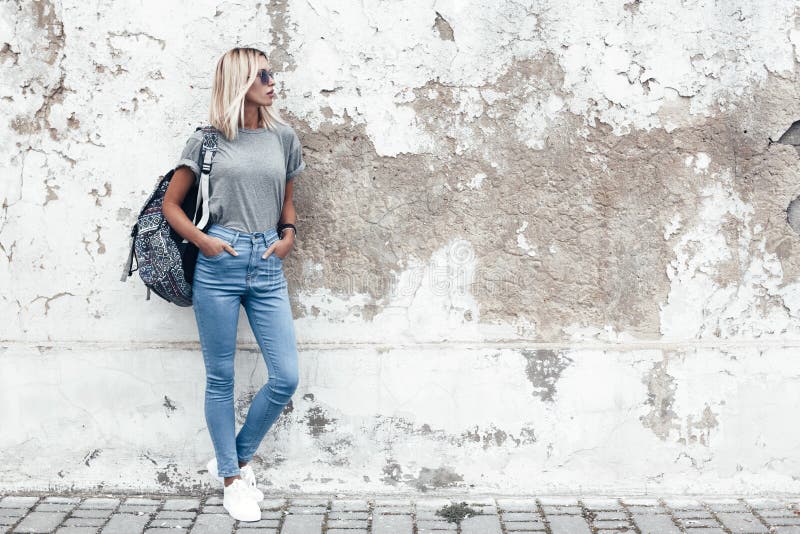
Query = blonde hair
x=236 y=71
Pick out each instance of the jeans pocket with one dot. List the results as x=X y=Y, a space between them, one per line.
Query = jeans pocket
x=216 y=256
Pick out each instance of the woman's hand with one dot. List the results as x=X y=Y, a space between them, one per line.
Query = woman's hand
x=211 y=246
x=281 y=247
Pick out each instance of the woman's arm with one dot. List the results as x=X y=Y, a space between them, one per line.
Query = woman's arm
x=171 y=207
x=288 y=214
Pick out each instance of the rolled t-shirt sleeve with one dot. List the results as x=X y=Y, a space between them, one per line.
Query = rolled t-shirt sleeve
x=191 y=153
x=294 y=163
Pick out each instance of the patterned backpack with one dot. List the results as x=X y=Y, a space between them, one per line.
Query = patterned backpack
x=164 y=259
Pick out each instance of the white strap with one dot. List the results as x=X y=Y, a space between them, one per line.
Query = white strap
x=202 y=191
x=207 y=157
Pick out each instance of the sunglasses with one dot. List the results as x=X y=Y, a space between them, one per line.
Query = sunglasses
x=265 y=75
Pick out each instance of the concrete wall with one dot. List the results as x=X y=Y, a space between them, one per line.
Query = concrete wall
x=543 y=245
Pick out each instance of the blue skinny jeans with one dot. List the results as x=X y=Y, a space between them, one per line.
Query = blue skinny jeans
x=221 y=283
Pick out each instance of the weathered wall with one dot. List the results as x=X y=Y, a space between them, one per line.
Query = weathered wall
x=543 y=245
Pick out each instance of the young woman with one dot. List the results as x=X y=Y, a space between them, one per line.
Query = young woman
x=241 y=261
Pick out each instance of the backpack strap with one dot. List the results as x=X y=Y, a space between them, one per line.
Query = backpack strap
x=210 y=149
x=127 y=271
x=207 y=152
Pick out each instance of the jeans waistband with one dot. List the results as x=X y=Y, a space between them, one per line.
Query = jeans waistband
x=231 y=235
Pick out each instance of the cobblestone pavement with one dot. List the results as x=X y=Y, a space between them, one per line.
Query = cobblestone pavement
x=122 y=514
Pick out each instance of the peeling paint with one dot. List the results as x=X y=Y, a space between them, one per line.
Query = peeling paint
x=317 y=422
x=543 y=369
x=661 y=419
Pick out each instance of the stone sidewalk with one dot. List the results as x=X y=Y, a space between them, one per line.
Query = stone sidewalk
x=123 y=514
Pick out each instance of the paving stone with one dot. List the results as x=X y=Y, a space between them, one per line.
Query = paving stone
x=271 y=504
x=509 y=517
x=389 y=501
x=555 y=510
x=783 y=521
x=345 y=531
x=214 y=499
x=125 y=524
x=58 y=498
x=271 y=514
x=6 y=520
x=655 y=524
x=137 y=508
x=435 y=526
x=263 y=523
x=99 y=503
x=568 y=524
x=175 y=514
x=40 y=522
x=347 y=516
x=302 y=524
x=18 y=501
x=683 y=503
x=76 y=530
x=54 y=507
x=730 y=507
x=84 y=521
x=212 y=524
x=92 y=512
x=612 y=523
x=479 y=501
x=695 y=522
x=142 y=500
x=165 y=530
x=720 y=500
x=429 y=515
x=309 y=502
x=640 y=501
x=484 y=510
x=741 y=522
x=601 y=504
x=347 y=523
x=171 y=523
x=13 y=512
x=692 y=514
x=525 y=527
x=401 y=510
x=181 y=504
x=214 y=510
x=350 y=505
x=481 y=524
x=609 y=515
x=786 y=530
x=555 y=500
x=761 y=502
x=653 y=509
x=306 y=510
x=392 y=524
x=518 y=505
x=782 y=512
x=703 y=530
x=432 y=503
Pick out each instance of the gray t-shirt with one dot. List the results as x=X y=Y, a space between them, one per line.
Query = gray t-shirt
x=248 y=177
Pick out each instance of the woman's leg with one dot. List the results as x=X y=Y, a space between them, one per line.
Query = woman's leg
x=270 y=315
x=216 y=309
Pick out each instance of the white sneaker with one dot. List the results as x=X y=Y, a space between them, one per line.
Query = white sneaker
x=245 y=472
x=239 y=501
x=249 y=476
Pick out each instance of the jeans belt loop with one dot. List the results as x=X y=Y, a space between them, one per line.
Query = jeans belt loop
x=235 y=237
